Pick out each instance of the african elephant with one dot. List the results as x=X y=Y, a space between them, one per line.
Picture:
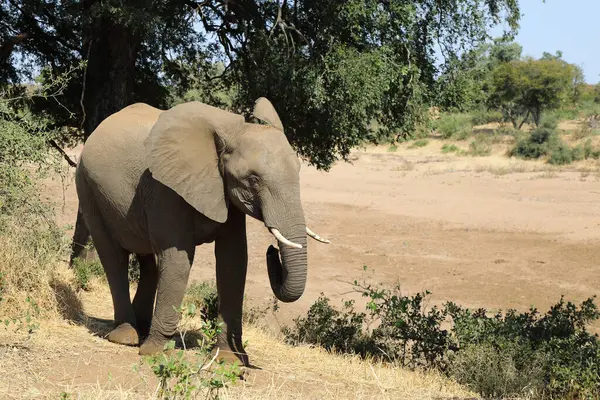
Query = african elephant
x=157 y=183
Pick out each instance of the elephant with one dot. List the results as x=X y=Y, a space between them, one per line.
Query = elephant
x=157 y=183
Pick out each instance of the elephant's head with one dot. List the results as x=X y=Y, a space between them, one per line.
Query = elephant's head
x=214 y=159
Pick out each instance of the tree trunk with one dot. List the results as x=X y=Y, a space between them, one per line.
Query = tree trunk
x=112 y=50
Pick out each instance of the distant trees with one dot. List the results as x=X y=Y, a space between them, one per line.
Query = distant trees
x=526 y=88
x=465 y=84
x=494 y=76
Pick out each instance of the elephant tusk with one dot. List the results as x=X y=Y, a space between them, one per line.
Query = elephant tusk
x=315 y=236
x=282 y=238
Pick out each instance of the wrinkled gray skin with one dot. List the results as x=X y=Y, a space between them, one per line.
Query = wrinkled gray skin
x=158 y=183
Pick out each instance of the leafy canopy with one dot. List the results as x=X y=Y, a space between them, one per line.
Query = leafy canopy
x=339 y=72
x=528 y=87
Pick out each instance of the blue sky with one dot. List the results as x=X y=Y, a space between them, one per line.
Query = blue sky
x=570 y=26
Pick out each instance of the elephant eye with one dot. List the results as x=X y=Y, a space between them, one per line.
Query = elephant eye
x=253 y=180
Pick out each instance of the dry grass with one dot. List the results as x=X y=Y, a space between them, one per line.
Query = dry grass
x=69 y=355
x=35 y=273
x=312 y=373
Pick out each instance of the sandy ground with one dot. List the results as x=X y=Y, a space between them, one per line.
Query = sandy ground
x=486 y=232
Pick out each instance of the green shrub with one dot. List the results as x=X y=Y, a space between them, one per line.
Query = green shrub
x=483 y=117
x=497 y=374
x=203 y=295
x=562 y=154
x=187 y=374
x=329 y=328
x=450 y=148
x=419 y=143
x=507 y=354
x=455 y=126
x=539 y=143
x=134 y=269
x=549 y=120
x=84 y=271
x=392 y=148
x=481 y=146
x=589 y=151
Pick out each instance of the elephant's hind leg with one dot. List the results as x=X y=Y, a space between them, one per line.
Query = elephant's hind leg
x=115 y=261
x=143 y=302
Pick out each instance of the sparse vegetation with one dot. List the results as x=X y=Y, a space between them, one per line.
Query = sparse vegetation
x=481 y=145
x=483 y=117
x=454 y=126
x=419 y=143
x=84 y=271
x=183 y=375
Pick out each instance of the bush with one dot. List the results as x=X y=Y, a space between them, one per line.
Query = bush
x=31 y=244
x=481 y=146
x=203 y=295
x=419 y=143
x=561 y=155
x=549 y=121
x=455 y=126
x=133 y=271
x=329 y=328
x=507 y=354
x=539 y=143
x=452 y=148
x=84 y=271
x=484 y=117
x=497 y=374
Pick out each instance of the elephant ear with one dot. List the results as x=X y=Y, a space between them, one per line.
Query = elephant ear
x=183 y=151
x=264 y=110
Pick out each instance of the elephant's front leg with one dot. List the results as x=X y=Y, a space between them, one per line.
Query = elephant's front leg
x=231 y=254
x=174 y=266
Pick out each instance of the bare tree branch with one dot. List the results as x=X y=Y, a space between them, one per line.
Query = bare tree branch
x=53 y=143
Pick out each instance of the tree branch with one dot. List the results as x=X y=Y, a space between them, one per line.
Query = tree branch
x=53 y=143
x=7 y=47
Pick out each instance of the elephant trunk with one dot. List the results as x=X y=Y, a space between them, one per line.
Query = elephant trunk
x=288 y=274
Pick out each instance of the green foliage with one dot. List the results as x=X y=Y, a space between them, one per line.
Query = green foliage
x=338 y=59
x=539 y=143
x=481 y=145
x=483 y=117
x=526 y=88
x=329 y=328
x=562 y=154
x=497 y=374
x=84 y=271
x=185 y=374
x=450 y=148
x=28 y=321
x=419 y=143
x=133 y=271
x=464 y=84
x=504 y=355
x=545 y=141
x=203 y=295
x=454 y=126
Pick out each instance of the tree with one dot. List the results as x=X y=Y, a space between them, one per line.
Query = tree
x=528 y=87
x=339 y=72
x=465 y=83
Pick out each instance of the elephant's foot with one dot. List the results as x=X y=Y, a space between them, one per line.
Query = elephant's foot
x=153 y=344
x=143 y=329
x=230 y=355
x=124 y=334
